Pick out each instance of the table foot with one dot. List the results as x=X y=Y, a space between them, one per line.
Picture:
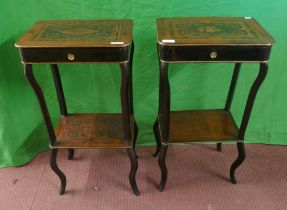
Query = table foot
x=157 y=138
x=161 y=162
x=134 y=167
x=219 y=147
x=55 y=168
x=71 y=154
x=238 y=161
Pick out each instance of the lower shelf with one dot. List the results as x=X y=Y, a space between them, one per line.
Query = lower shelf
x=202 y=126
x=91 y=131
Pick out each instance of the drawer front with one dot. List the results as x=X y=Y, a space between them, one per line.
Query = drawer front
x=227 y=53
x=75 y=55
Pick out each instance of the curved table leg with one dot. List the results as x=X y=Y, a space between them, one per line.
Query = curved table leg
x=28 y=70
x=130 y=95
x=126 y=112
x=238 y=161
x=251 y=98
x=162 y=165
x=157 y=137
x=136 y=131
x=164 y=123
x=54 y=166
x=163 y=80
x=245 y=119
x=230 y=95
x=61 y=97
x=134 y=167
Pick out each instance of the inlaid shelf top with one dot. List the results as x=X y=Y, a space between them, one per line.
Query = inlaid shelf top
x=202 y=126
x=212 y=31
x=78 y=34
x=91 y=131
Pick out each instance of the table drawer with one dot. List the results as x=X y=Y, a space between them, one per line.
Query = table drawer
x=228 y=53
x=75 y=55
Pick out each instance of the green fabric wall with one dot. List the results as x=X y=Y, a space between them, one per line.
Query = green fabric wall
x=95 y=88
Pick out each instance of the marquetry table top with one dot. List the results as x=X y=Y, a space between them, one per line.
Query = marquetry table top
x=212 y=31
x=78 y=33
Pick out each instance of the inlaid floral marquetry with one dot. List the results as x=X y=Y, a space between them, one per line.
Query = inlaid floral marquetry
x=78 y=33
x=232 y=30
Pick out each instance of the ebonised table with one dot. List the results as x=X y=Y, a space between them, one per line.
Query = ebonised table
x=193 y=40
x=84 y=41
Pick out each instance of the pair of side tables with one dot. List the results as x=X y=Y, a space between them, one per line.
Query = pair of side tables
x=232 y=39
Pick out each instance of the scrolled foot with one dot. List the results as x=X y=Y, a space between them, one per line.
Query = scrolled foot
x=237 y=162
x=134 y=167
x=55 y=168
x=233 y=179
x=162 y=165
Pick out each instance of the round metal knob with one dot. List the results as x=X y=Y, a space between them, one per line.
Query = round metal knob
x=213 y=55
x=71 y=56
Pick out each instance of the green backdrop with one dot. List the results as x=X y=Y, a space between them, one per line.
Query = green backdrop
x=95 y=88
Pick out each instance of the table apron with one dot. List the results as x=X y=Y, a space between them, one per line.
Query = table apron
x=75 y=55
x=214 y=53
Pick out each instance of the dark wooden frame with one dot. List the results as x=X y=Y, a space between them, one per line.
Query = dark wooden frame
x=193 y=53
x=125 y=63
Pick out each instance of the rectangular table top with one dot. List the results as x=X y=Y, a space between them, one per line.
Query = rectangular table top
x=77 y=34
x=212 y=31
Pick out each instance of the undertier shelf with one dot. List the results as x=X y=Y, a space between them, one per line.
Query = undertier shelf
x=91 y=131
x=202 y=126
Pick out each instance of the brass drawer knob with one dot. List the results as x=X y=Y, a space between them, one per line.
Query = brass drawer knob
x=71 y=56
x=213 y=54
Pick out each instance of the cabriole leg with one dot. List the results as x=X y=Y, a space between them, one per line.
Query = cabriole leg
x=162 y=165
x=157 y=137
x=238 y=161
x=231 y=94
x=61 y=98
x=54 y=166
x=245 y=119
x=133 y=171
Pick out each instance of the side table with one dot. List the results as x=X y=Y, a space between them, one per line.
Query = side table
x=84 y=41
x=233 y=39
